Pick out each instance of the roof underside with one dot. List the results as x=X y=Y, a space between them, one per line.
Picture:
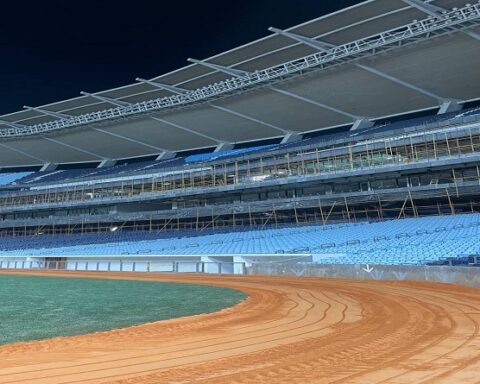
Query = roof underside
x=419 y=76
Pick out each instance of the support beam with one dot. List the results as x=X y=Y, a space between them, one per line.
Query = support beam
x=75 y=148
x=58 y=115
x=361 y=124
x=224 y=147
x=401 y=82
x=323 y=47
x=436 y=11
x=106 y=99
x=12 y=124
x=26 y=154
x=166 y=155
x=48 y=167
x=313 y=102
x=449 y=106
x=243 y=116
x=428 y=8
x=107 y=163
x=291 y=138
x=316 y=44
x=129 y=139
x=229 y=71
x=165 y=87
x=218 y=141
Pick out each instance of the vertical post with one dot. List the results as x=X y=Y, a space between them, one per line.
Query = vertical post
x=452 y=209
x=250 y=215
x=448 y=145
x=350 y=156
x=415 y=213
x=196 y=223
x=236 y=173
x=403 y=208
x=346 y=207
x=380 y=208
x=321 y=211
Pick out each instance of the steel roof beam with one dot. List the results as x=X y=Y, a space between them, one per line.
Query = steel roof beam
x=402 y=83
x=129 y=139
x=324 y=47
x=316 y=44
x=229 y=71
x=106 y=99
x=428 y=8
x=23 y=153
x=435 y=11
x=75 y=148
x=165 y=87
x=58 y=115
x=246 y=117
x=13 y=125
x=218 y=141
x=313 y=102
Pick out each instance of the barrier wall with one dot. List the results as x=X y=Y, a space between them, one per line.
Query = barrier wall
x=469 y=276
x=127 y=266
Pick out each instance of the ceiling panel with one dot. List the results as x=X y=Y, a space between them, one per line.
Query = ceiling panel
x=356 y=91
x=283 y=111
x=448 y=67
x=160 y=135
x=50 y=151
x=222 y=125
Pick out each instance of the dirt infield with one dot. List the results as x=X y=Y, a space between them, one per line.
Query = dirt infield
x=289 y=330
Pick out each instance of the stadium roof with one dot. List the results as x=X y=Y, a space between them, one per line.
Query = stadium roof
x=377 y=59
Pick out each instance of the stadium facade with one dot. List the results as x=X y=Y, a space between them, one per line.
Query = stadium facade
x=368 y=114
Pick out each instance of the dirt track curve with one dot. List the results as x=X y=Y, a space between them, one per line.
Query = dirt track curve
x=289 y=330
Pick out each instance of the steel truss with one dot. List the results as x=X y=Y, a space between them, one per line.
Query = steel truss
x=432 y=26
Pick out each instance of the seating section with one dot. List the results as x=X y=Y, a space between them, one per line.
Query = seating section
x=8 y=178
x=406 y=241
x=203 y=157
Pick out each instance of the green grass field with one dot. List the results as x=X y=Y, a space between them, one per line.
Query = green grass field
x=33 y=308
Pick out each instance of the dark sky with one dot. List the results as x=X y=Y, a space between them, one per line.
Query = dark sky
x=52 y=50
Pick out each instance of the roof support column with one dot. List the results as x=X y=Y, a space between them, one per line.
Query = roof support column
x=48 y=167
x=166 y=155
x=224 y=147
x=107 y=163
x=291 y=138
x=361 y=123
x=449 y=106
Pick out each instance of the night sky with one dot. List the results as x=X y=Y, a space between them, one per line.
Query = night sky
x=52 y=50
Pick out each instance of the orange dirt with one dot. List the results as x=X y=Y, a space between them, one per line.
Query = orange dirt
x=289 y=330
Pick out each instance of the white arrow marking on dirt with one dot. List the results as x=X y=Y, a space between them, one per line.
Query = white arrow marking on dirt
x=368 y=269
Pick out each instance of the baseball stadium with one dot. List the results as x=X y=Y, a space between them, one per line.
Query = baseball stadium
x=304 y=208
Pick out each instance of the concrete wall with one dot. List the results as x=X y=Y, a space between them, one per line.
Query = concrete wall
x=115 y=265
x=469 y=276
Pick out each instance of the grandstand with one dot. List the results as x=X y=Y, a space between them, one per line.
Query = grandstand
x=353 y=138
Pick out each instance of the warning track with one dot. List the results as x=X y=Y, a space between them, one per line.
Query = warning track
x=289 y=330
